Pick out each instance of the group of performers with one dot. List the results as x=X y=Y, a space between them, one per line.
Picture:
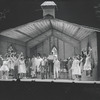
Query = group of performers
x=47 y=66
x=76 y=65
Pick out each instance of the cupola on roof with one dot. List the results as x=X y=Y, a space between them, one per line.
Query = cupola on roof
x=48 y=8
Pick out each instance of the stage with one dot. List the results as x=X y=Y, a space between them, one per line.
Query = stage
x=50 y=81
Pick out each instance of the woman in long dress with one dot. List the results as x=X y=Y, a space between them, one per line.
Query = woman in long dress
x=22 y=67
x=76 y=70
x=87 y=65
x=4 y=68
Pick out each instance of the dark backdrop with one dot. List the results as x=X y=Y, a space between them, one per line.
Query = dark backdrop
x=23 y=11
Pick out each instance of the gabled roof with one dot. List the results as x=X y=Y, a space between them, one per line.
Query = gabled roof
x=34 y=29
x=48 y=3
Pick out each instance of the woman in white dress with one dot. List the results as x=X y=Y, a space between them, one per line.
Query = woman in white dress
x=87 y=65
x=4 y=68
x=76 y=70
x=22 y=68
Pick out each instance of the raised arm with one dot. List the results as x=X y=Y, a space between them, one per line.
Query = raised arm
x=19 y=56
x=1 y=57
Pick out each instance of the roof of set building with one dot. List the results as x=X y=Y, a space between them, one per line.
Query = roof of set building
x=37 y=31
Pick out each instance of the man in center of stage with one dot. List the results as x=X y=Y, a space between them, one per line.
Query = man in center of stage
x=56 y=67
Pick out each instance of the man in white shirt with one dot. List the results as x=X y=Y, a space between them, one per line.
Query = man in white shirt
x=56 y=67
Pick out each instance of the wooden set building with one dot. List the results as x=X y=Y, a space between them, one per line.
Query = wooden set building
x=42 y=35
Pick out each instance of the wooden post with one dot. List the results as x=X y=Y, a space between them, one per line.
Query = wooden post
x=64 y=49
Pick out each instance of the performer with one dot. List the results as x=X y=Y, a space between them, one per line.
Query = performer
x=87 y=65
x=76 y=70
x=83 y=56
x=69 y=64
x=81 y=63
x=33 y=67
x=4 y=68
x=38 y=60
x=22 y=67
x=28 y=67
x=44 y=67
x=56 y=67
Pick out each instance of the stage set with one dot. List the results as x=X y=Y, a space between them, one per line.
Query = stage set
x=63 y=51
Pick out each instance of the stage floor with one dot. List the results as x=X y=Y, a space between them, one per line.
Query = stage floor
x=52 y=80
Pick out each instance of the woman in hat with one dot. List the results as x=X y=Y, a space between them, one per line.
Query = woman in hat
x=22 y=67
x=76 y=69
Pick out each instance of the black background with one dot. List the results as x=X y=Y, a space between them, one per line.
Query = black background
x=24 y=11
x=48 y=91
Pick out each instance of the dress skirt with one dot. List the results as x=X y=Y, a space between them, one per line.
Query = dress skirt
x=87 y=65
x=76 y=69
x=22 y=69
x=4 y=68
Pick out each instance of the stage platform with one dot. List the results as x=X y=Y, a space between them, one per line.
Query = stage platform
x=51 y=80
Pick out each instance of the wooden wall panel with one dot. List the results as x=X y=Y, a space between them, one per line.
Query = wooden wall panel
x=93 y=41
x=61 y=51
x=3 y=47
x=55 y=41
x=42 y=48
x=52 y=41
x=29 y=50
x=84 y=43
x=20 y=48
x=69 y=50
x=65 y=38
x=39 y=49
x=77 y=50
x=46 y=47
x=32 y=51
